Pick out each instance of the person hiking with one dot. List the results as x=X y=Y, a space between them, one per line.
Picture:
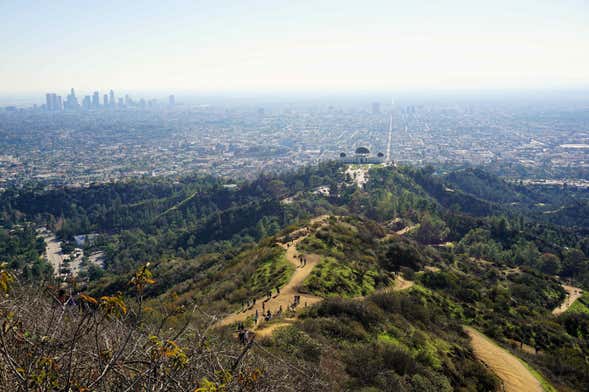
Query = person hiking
x=277 y=290
x=256 y=318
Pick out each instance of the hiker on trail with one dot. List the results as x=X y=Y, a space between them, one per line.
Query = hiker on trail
x=263 y=306
x=253 y=301
x=277 y=290
x=268 y=315
x=256 y=318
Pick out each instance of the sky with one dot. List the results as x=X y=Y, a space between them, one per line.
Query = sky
x=298 y=45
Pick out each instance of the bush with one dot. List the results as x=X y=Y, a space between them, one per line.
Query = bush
x=297 y=343
x=364 y=312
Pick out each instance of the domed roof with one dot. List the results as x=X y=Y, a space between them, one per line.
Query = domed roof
x=362 y=151
x=342 y=155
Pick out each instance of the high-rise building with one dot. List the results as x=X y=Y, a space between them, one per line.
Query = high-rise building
x=128 y=100
x=121 y=102
x=53 y=102
x=172 y=100
x=87 y=102
x=111 y=99
x=95 y=100
x=71 y=102
x=375 y=107
x=105 y=101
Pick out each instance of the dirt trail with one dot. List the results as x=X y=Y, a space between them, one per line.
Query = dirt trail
x=269 y=329
x=288 y=291
x=573 y=294
x=407 y=229
x=515 y=376
x=53 y=252
x=403 y=231
x=402 y=284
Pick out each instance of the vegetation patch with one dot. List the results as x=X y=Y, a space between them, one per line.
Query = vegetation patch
x=581 y=305
x=333 y=278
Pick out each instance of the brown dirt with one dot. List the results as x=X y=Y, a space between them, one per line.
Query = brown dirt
x=399 y=232
x=573 y=294
x=269 y=329
x=288 y=291
x=512 y=372
x=402 y=284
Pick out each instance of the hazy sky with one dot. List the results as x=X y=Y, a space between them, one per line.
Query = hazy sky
x=274 y=45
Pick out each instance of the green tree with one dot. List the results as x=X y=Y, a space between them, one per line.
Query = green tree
x=550 y=264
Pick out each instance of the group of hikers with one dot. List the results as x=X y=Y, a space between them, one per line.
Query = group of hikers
x=302 y=260
x=296 y=302
x=267 y=314
x=244 y=335
x=251 y=302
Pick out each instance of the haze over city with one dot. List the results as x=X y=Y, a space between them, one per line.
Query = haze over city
x=281 y=46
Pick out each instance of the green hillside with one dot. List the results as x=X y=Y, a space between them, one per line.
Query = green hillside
x=399 y=265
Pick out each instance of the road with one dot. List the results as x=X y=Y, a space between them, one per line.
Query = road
x=389 y=140
x=53 y=252
x=513 y=373
x=573 y=294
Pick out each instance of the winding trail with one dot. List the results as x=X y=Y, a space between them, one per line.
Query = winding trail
x=288 y=291
x=516 y=377
x=403 y=231
x=573 y=294
x=402 y=284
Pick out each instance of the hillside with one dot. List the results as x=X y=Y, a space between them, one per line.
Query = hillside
x=388 y=271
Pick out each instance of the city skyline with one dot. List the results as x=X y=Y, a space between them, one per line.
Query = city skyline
x=55 y=103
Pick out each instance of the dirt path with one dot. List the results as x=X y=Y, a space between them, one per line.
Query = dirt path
x=53 y=253
x=407 y=229
x=269 y=329
x=402 y=284
x=573 y=294
x=515 y=376
x=288 y=291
